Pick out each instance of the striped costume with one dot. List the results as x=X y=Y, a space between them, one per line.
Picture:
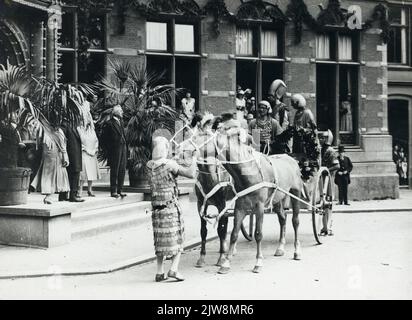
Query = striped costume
x=167 y=220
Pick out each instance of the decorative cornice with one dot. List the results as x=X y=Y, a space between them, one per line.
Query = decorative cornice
x=168 y=7
x=219 y=11
x=380 y=14
x=259 y=10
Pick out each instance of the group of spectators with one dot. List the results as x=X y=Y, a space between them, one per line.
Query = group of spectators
x=401 y=162
x=69 y=156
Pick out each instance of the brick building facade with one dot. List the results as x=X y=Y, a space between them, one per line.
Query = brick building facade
x=212 y=46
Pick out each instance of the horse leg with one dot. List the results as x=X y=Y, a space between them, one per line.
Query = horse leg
x=295 y=222
x=222 y=232
x=280 y=251
x=258 y=237
x=203 y=234
x=239 y=216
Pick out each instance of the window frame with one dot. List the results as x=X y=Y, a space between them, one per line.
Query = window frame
x=334 y=33
x=171 y=21
x=75 y=48
x=257 y=28
x=407 y=26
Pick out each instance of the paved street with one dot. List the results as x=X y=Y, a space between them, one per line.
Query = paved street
x=368 y=258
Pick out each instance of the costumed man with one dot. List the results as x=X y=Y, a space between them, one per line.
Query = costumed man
x=114 y=140
x=305 y=138
x=306 y=147
x=74 y=151
x=342 y=177
x=329 y=159
x=167 y=220
x=279 y=111
x=267 y=127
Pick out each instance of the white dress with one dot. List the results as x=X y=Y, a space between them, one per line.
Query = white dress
x=90 y=146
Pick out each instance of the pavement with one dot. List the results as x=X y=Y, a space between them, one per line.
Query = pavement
x=126 y=248
x=367 y=258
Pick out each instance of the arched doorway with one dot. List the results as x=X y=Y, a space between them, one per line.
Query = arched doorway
x=13 y=45
x=399 y=113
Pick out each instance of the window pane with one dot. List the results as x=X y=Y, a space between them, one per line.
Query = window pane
x=97 y=32
x=322 y=46
x=269 y=43
x=67 y=36
x=156 y=36
x=395 y=46
x=395 y=15
x=94 y=69
x=345 y=48
x=66 y=67
x=326 y=97
x=244 y=42
x=184 y=38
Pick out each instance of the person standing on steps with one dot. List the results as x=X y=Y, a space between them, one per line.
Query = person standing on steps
x=74 y=151
x=115 y=141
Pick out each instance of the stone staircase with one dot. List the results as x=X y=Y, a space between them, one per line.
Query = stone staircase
x=105 y=214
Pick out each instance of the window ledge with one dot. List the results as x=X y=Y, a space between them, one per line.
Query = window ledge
x=399 y=67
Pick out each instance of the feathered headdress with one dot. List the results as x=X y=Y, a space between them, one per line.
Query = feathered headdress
x=206 y=118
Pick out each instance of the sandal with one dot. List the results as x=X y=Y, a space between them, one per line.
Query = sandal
x=175 y=275
x=323 y=232
x=160 y=277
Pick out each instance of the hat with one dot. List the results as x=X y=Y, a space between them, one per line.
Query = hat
x=299 y=99
x=160 y=147
x=241 y=92
x=329 y=137
x=341 y=148
x=275 y=86
x=266 y=104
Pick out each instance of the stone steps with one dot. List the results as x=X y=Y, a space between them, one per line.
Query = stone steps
x=105 y=214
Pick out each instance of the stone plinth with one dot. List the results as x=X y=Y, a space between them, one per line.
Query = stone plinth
x=35 y=225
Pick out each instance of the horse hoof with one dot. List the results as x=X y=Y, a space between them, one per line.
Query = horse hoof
x=200 y=263
x=257 y=269
x=297 y=256
x=279 y=252
x=223 y=270
x=220 y=262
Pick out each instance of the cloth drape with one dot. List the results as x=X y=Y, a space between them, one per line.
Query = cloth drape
x=184 y=38
x=322 y=46
x=156 y=36
x=345 y=48
x=244 y=42
x=269 y=43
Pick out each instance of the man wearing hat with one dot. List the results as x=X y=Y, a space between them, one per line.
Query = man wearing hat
x=342 y=177
x=329 y=159
x=267 y=128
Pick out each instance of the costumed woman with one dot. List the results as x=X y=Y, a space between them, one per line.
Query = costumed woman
x=167 y=220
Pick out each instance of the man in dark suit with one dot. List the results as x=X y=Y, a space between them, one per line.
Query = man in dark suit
x=74 y=151
x=342 y=177
x=115 y=142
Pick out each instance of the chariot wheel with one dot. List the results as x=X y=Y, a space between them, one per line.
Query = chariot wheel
x=247 y=226
x=321 y=200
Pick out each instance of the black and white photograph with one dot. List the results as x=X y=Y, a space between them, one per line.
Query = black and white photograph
x=221 y=152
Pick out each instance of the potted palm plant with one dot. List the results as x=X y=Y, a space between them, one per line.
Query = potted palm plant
x=145 y=103
x=26 y=102
x=14 y=90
